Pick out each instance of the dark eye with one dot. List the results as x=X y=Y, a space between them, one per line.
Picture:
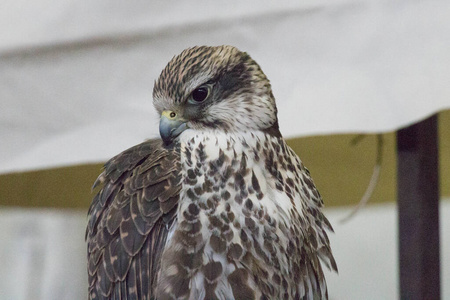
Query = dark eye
x=200 y=94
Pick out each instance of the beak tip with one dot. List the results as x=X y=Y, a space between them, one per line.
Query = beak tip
x=165 y=136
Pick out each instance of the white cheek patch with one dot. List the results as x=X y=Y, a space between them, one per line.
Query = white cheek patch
x=241 y=114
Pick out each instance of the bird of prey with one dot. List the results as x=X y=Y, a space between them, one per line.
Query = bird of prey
x=220 y=207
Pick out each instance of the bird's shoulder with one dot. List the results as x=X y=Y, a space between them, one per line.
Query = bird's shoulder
x=129 y=218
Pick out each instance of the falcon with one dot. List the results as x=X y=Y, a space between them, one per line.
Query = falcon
x=220 y=207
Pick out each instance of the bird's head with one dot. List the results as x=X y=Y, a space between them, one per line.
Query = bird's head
x=213 y=87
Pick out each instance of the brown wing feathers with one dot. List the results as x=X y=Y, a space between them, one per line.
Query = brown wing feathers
x=129 y=220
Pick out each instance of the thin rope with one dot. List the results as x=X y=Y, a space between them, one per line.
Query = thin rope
x=373 y=180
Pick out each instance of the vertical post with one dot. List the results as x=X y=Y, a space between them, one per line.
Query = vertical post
x=418 y=210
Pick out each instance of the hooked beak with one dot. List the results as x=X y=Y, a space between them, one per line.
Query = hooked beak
x=171 y=126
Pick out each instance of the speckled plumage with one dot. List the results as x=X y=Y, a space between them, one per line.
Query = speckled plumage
x=224 y=211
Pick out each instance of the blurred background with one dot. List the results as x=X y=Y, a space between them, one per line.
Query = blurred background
x=76 y=79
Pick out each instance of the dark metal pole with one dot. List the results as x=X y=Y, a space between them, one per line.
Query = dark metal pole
x=418 y=210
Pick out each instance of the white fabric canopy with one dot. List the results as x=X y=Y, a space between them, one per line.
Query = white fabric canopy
x=76 y=76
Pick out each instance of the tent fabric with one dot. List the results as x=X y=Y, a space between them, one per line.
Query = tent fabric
x=76 y=76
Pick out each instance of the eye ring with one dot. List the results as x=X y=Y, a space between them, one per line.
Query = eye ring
x=200 y=94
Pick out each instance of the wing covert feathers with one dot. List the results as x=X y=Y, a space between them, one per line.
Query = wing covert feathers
x=129 y=220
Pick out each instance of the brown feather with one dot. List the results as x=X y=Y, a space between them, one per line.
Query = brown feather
x=249 y=224
x=129 y=220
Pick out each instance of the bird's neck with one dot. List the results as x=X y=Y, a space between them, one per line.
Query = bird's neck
x=220 y=169
x=199 y=147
